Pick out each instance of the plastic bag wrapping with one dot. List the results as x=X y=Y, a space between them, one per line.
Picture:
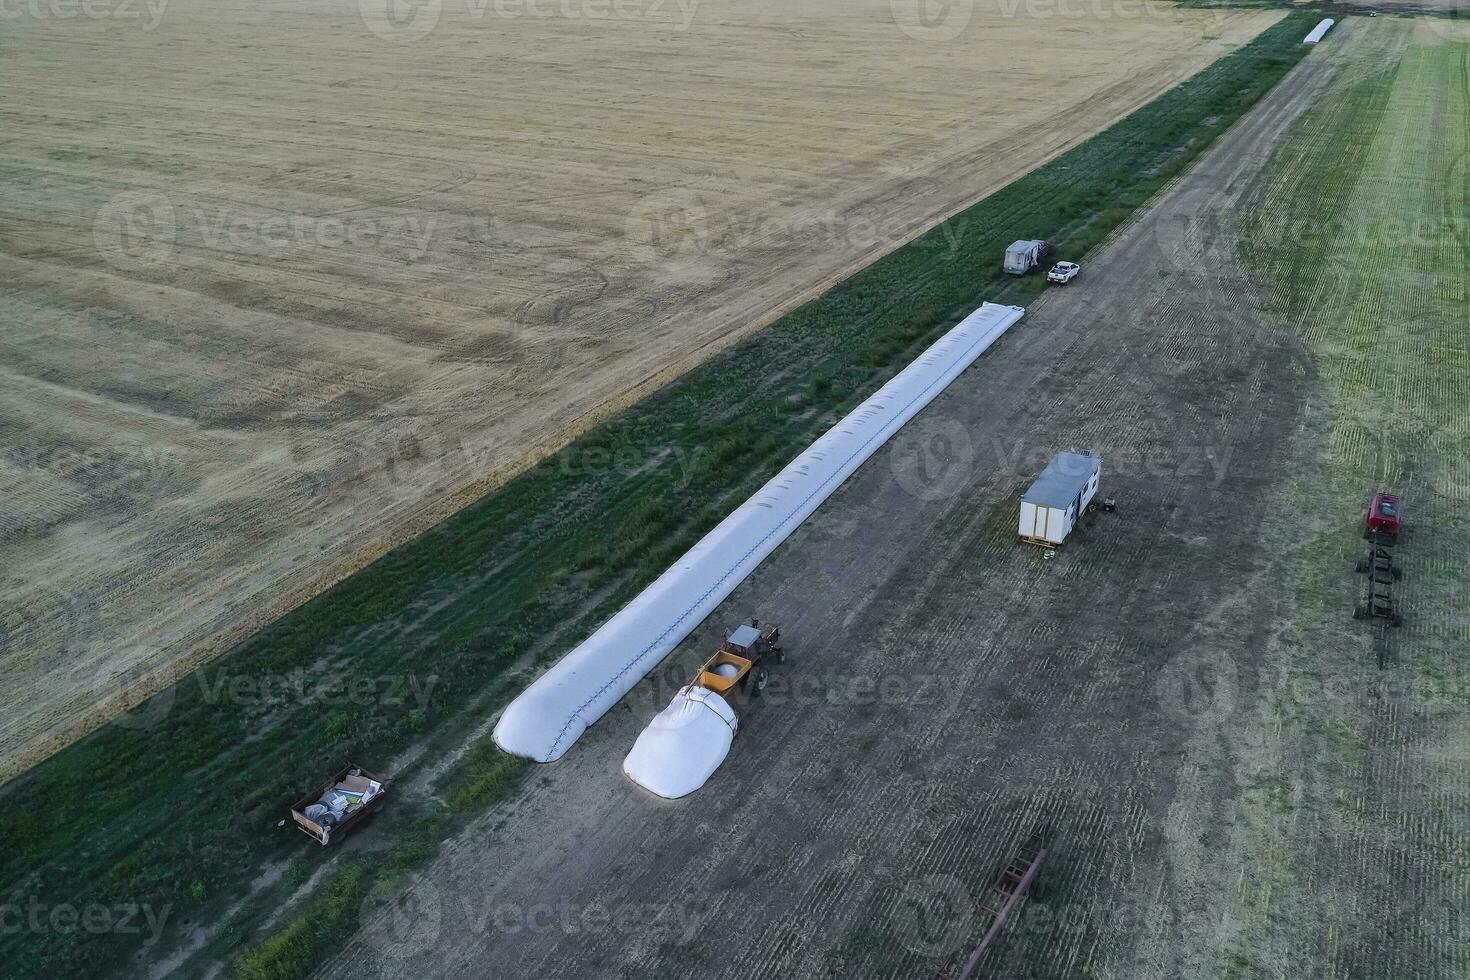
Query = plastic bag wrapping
x=683 y=745
x=550 y=715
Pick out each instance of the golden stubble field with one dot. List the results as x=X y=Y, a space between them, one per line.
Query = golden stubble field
x=284 y=285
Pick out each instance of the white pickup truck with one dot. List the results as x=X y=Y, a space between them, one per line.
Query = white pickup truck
x=1063 y=272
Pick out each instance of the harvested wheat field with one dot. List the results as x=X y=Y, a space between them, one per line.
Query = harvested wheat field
x=285 y=286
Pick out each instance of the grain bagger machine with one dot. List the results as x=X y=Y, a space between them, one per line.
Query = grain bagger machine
x=686 y=742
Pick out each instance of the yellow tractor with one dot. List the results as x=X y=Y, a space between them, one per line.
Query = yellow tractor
x=738 y=665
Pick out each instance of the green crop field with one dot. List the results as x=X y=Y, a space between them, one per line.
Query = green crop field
x=175 y=806
x=1359 y=854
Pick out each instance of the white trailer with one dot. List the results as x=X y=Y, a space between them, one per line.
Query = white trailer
x=1060 y=495
x=1024 y=255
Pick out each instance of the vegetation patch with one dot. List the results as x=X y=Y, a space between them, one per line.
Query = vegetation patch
x=1361 y=243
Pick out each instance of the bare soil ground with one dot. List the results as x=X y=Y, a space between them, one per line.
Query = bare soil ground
x=948 y=691
x=286 y=284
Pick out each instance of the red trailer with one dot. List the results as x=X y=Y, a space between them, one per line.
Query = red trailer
x=1384 y=515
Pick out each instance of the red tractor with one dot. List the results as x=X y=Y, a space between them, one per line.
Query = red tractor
x=1384 y=515
x=1381 y=527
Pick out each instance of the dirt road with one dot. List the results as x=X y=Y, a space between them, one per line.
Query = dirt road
x=948 y=691
x=285 y=284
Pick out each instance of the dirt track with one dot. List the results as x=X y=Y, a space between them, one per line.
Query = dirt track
x=1106 y=695
x=280 y=292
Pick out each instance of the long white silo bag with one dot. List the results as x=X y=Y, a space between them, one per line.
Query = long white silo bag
x=551 y=714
